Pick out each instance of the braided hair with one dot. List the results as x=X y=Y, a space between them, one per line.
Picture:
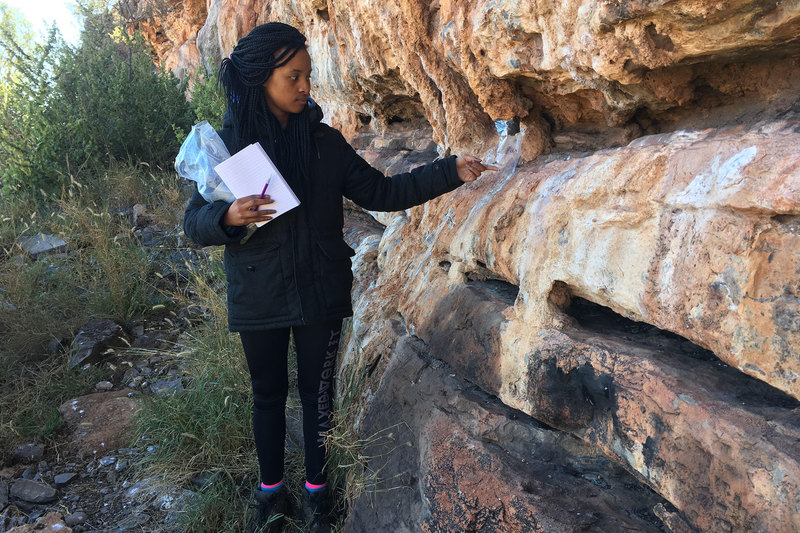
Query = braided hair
x=243 y=74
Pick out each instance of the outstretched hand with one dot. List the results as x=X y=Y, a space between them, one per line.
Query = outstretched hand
x=246 y=211
x=470 y=168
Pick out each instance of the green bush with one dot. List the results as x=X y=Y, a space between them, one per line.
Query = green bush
x=208 y=99
x=68 y=112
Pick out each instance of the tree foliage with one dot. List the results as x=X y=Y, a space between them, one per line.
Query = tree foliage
x=208 y=99
x=68 y=111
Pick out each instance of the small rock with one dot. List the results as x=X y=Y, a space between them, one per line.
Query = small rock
x=110 y=460
x=49 y=523
x=104 y=385
x=203 y=480
x=62 y=479
x=76 y=519
x=132 y=522
x=131 y=373
x=9 y=518
x=94 y=340
x=166 y=387
x=32 y=492
x=141 y=217
x=28 y=453
x=176 y=505
x=42 y=244
x=29 y=473
x=143 y=369
x=122 y=464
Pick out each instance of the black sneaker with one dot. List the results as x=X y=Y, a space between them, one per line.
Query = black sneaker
x=273 y=507
x=316 y=510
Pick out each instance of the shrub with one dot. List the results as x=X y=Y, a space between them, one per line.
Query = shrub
x=208 y=99
x=70 y=111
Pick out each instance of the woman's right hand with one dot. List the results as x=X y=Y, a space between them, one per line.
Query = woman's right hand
x=246 y=211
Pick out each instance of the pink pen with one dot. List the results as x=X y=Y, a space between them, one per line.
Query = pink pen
x=265 y=189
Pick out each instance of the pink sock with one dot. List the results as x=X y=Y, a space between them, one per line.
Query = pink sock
x=311 y=487
x=271 y=488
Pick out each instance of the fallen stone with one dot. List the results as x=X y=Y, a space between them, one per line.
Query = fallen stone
x=133 y=521
x=104 y=385
x=94 y=340
x=166 y=387
x=61 y=480
x=124 y=213
x=12 y=517
x=140 y=217
x=150 y=235
x=49 y=523
x=42 y=244
x=98 y=423
x=28 y=453
x=76 y=519
x=179 y=265
x=176 y=504
x=32 y=492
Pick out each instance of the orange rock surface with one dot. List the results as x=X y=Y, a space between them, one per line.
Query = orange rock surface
x=660 y=179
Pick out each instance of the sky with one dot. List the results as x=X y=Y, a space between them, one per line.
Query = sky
x=41 y=13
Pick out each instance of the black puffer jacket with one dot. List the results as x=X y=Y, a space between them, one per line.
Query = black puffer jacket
x=296 y=268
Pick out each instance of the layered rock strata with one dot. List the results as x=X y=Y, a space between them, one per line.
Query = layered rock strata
x=635 y=286
x=497 y=278
x=583 y=74
x=458 y=460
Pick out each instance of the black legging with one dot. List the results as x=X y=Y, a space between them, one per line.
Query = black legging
x=266 y=353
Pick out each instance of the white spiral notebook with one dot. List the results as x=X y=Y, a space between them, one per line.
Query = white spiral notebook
x=251 y=171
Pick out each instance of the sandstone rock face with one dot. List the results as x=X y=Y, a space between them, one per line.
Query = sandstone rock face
x=527 y=285
x=583 y=73
x=458 y=460
x=633 y=284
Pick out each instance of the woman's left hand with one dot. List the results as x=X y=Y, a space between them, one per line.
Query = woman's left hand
x=470 y=168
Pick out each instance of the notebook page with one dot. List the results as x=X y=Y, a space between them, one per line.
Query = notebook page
x=246 y=172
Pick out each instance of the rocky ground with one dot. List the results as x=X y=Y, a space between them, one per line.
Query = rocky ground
x=86 y=479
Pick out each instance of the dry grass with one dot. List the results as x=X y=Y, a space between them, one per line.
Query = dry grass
x=103 y=273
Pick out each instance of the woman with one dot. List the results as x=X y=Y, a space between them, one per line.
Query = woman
x=293 y=274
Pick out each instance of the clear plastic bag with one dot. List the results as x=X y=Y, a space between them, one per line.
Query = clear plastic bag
x=199 y=154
